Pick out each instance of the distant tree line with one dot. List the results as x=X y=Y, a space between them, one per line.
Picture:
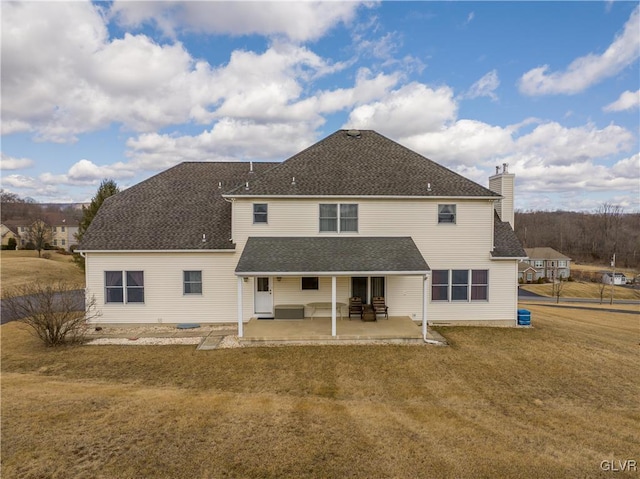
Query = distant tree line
x=13 y=207
x=584 y=237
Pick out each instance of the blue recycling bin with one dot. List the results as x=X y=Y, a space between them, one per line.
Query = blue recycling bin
x=524 y=317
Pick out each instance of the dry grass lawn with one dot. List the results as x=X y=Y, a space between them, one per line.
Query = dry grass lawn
x=23 y=267
x=579 y=289
x=549 y=401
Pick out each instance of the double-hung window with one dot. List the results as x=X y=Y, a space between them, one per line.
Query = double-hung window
x=538 y=264
x=339 y=218
x=480 y=284
x=446 y=214
x=440 y=285
x=117 y=283
x=192 y=282
x=460 y=285
x=260 y=213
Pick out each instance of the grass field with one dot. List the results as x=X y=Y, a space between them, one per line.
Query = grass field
x=554 y=400
x=21 y=267
x=578 y=289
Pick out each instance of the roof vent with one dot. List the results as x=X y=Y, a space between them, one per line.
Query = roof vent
x=428 y=186
x=246 y=185
x=251 y=167
x=354 y=133
x=293 y=180
x=219 y=184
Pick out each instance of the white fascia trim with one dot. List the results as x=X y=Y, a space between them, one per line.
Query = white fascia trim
x=506 y=258
x=334 y=273
x=157 y=251
x=386 y=197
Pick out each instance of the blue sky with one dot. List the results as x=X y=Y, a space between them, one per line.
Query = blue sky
x=124 y=90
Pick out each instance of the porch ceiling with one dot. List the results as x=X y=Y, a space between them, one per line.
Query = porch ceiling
x=317 y=256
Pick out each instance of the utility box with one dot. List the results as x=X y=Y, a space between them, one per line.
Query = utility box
x=524 y=317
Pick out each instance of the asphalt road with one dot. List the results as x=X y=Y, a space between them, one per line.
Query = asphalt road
x=77 y=297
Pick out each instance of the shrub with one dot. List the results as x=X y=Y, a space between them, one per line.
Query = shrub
x=53 y=311
x=30 y=246
x=12 y=244
x=570 y=279
x=46 y=255
x=541 y=280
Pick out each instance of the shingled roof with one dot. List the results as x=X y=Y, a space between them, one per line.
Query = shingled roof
x=317 y=255
x=506 y=243
x=171 y=210
x=361 y=163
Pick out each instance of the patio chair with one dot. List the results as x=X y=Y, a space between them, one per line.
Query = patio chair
x=379 y=306
x=355 y=306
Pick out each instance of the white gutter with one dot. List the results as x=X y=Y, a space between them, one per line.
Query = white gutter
x=425 y=289
x=156 y=251
x=387 y=197
x=330 y=273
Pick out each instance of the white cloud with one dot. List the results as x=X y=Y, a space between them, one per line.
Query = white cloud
x=10 y=163
x=298 y=21
x=411 y=109
x=589 y=69
x=626 y=101
x=228 y=140
x=62 y=85
x=628 y=168
x=485 y=86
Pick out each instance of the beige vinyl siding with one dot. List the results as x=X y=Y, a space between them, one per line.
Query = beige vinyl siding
x=289 y=291
x=464 y=245
x=164 y=301
x=381 y=217
x=501 y=305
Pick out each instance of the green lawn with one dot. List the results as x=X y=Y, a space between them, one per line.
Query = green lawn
x=554 y=400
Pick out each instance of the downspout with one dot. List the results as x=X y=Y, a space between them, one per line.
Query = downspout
x=425 y=287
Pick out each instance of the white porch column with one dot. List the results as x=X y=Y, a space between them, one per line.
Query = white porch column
x=425 y=290
x=240 y=297
x=333 y=306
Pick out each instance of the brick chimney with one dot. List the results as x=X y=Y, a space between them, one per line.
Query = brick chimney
x=503 y=183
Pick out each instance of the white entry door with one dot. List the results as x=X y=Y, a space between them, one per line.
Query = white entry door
x=263 y=297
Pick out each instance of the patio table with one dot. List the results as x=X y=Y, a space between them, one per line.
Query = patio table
x=324 y=306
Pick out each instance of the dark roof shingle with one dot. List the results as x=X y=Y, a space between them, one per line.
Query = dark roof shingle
x=171 y=210
x=330 y=254
x=364 y=165
x=506 y=243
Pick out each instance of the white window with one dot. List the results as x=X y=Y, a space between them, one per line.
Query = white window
x=529 y=276
x=460 y=285
x=479 y=285
x=440 y=285
x=562 y=264
x=260 y=213
x=538 y=264
x=115 y=287
x=447 y=214
x=192 y=282
x=63 y=242
x=55 y=242
x=62 y=229
x=339 y=218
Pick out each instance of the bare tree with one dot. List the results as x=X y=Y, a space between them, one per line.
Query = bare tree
x=54 y=311
x=39 y=234
x=558 y=285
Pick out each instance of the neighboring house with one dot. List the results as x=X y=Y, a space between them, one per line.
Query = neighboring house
x=526 y=272
x=63 y=229
x=9 y=230
x=619 y=278
x=355 y=214
x=548 y=263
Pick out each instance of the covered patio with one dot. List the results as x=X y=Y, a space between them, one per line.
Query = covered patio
x=397 y=329
x=331 y=257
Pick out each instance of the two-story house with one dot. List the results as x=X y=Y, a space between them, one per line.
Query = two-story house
x=548 y=263
x=355 y=214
